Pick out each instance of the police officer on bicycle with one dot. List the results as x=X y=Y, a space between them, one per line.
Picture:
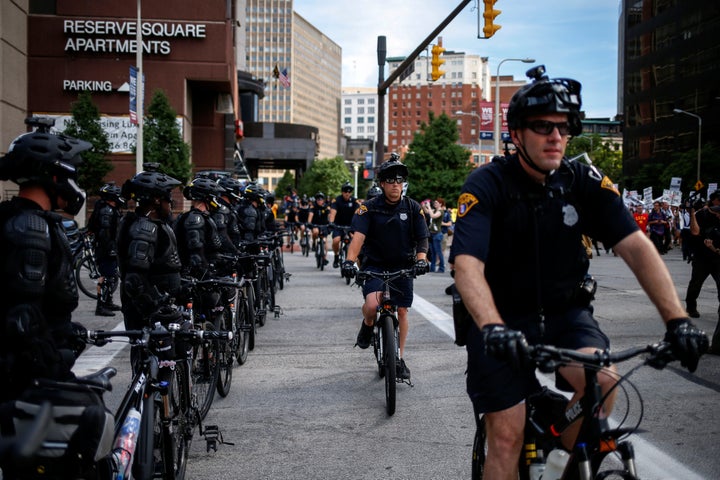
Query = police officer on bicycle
x=522 y=272
x=38 y=292
x=391 y=231
x=342 y=209
x=103 y=224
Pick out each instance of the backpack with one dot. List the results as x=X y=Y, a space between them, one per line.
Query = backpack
x=80 y=433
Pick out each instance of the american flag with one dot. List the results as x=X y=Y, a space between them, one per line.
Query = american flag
x=284 y=79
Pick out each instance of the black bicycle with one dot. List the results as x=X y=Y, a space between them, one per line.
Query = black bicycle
x=343 y=248
x=320 y=247
x=385 y=333
x=160 y=394
x=305 y=240
x=547 y=416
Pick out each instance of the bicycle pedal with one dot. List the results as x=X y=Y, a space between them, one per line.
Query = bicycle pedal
x=213 y=437
x=277 y=311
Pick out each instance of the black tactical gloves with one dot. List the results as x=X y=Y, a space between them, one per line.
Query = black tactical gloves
x=688 y=342
x=421 y=267
x=505 y=344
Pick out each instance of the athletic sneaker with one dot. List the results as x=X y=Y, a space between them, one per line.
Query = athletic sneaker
x=402 y=370
x=364 y=336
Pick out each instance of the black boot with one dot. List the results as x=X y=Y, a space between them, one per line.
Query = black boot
x=110 y=305
x=101 y=310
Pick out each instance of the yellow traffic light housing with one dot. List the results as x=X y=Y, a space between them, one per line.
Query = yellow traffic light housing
x=436 y=62
x=489 y=15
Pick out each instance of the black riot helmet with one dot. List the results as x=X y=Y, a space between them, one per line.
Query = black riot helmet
x=373 y=192
x=149 y=185
x=546 y=95
x=112 y=192
x=232 y=186
x=203 y=189
x=49 y=160
x=393 y=168
x=347 y=187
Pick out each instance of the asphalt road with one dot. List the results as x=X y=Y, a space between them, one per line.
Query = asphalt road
x=308 y=405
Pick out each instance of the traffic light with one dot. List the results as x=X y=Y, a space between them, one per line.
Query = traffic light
x=437 y=62
x=489 y=15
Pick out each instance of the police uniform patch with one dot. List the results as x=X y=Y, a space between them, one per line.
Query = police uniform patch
x=465 y=203
x=607 y=184
x=403 y=216
x=362 y=210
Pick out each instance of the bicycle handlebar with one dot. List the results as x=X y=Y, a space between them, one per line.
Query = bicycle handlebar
x=549 y=358
x=386 y=276
x=101 y=337
x=212 y=282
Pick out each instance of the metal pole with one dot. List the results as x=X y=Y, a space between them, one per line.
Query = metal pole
x=140 y=99
x=356 y=166
x=699 y=149
x=498 y=113
x=380 y=144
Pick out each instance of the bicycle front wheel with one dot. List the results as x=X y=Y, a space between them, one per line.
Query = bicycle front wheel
x=205 y=373
x=225 y=357
x=389 y=361
x=87 y=275
x=176 y=427
x=241 y=328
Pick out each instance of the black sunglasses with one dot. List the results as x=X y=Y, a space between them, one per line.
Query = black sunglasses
x=545 y=127
x=393 y=180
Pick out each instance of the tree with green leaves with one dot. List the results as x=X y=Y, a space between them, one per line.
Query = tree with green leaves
x=85 y=125
x=286 y=183
x=327 y=176
x=604 y=154
x=162 y=141
x=438 y=164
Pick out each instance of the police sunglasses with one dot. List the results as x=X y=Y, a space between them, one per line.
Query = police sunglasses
x=545 y=127
x=393 y=180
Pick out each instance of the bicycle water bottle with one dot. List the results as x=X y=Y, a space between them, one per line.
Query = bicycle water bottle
x=125 y=444
x=555 y=464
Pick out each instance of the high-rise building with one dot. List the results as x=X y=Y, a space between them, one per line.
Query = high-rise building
x=301 y=68
x=466 y=91
x=670 y=64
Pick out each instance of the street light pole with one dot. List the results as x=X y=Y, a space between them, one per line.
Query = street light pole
x=479 y=119
x=139 y=93
x=699 y=149
x=498 y=113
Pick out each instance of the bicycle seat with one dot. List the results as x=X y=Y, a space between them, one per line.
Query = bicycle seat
x=99 y=379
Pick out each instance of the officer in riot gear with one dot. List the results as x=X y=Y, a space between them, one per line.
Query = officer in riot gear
x=103 y=224
x=147 y=249
x=199 y=244
x=38 y=292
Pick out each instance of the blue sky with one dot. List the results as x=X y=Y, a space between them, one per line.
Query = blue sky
x=572 y=38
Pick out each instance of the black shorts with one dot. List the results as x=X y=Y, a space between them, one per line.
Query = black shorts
x=401 y=289
x=108 y=266
x=493 y=385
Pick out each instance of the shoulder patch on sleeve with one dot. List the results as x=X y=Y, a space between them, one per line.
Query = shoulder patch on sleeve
x=362 y=210
x=607 y=184
x=465 y=203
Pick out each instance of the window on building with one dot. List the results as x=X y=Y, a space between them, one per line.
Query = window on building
x=371 y=101
x=360 y=129
x=348 y=101
x=361 y=110
x=370 y=119
x=348 y=110
x=361 y=101
x=348 y=120
x=370 y=109
x=360 y=120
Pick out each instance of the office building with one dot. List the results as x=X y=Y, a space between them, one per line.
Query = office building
x=670 y=65
x=301 y=68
